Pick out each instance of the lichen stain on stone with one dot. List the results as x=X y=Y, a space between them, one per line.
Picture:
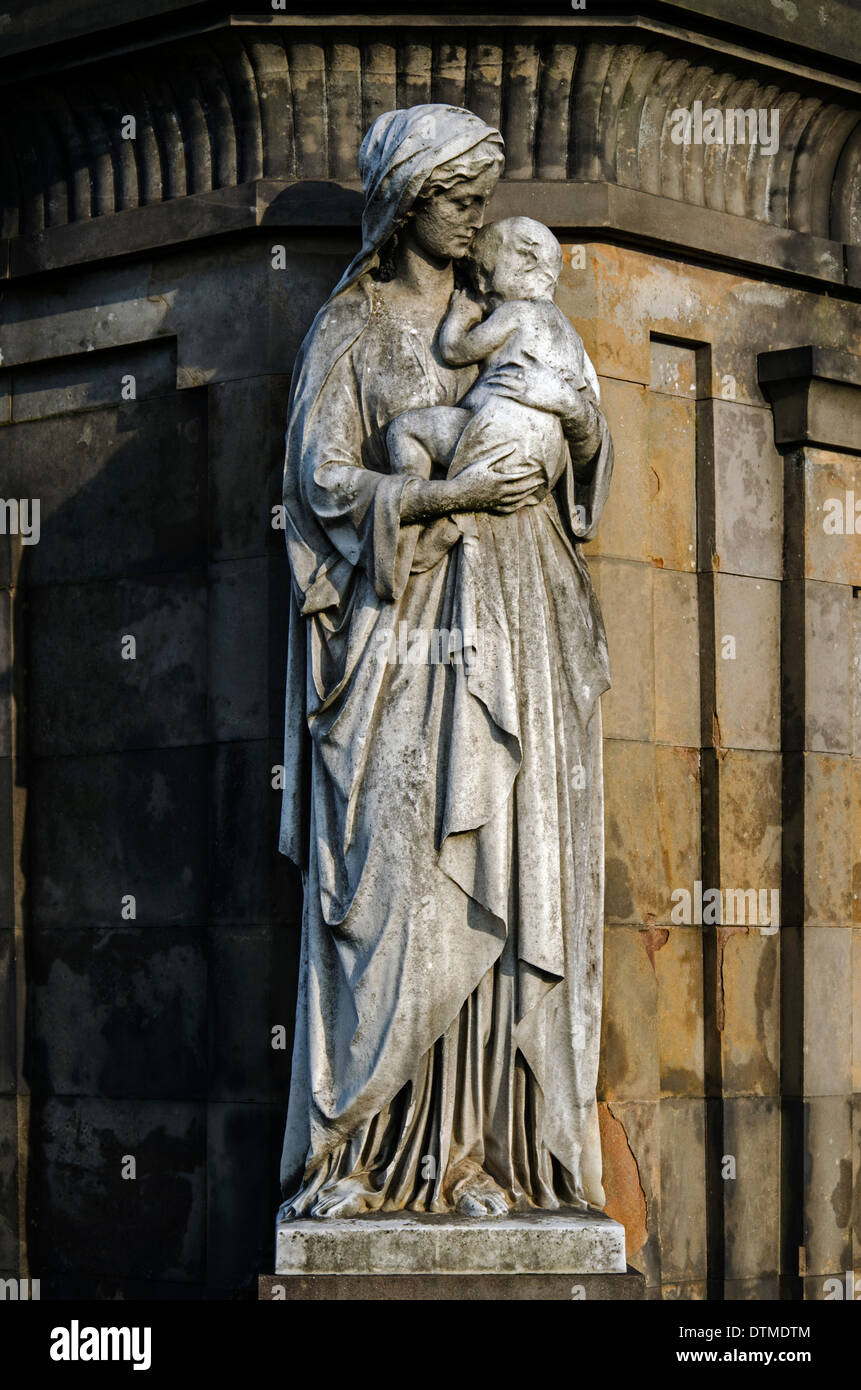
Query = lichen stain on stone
x=652 y=939
x=841 y=1197
x=626 y=1200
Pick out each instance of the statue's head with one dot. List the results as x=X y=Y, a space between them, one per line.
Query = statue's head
x=450 y=207
x=515 y=258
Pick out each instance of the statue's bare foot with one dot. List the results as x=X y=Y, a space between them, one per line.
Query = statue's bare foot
x=476 y=1194
x=347 y=1198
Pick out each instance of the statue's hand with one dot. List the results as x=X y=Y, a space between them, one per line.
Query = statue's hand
x=542 y=388
x=467 y=307
x=486 y=487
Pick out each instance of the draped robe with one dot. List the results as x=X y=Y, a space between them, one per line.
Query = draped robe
x=447 y=816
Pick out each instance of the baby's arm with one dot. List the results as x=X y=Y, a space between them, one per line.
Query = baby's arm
x=461 y=344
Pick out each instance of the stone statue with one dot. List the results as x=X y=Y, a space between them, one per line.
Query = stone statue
x=446 y=454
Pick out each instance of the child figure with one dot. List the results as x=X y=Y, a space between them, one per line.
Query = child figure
x=514 y=265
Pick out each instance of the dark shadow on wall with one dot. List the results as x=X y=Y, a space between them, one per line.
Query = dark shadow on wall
x=162 y=924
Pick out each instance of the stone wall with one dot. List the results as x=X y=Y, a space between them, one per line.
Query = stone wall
x=701 y=761
x=152 y=1036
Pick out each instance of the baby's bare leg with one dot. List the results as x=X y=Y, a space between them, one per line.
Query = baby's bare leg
x=418 y=439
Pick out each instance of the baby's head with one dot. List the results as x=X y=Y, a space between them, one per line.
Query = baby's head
x=515 y=258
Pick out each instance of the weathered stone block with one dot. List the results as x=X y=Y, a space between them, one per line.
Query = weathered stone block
x=243 y=1147
x=7 y=848
x=248 y=614
x=748 y=482
x=451 y=1288
x=103 y=828
x=625 y=593
x=828 y=667
x=696 y=1291
x=624 y=527
x=673 y=369
x=246 y=461
x=856 y=668
x=74 y=318
x=823 y=1288
x=126 y=491
x=677 y=658
x=678 y=813
x=828 y=853
x=856 y=1012
x=558 y=1242
x=85 y=381
x=62 y=1286
x=828 y=1184
x=631 y=1145
x=249 y=880
x=147 y=1226
x=6 y=841
x=683 y=1206
x=627 y=295
x=856 y=1186
x=752 y=1290
x=593 y=299
x=831 y=490
x=752 y=1197
x=672 y=459
x=750 y=996
x=119 y=1012
x=241 y=316
x=827 y=1011
x=629 y=815
x=8 y=1012
x=251 y=983
x=5 y=672
x=9 y=1183
x=86 y=696
x=750 y=812
x=629 y=1043
x=679 y=967
x=747 y=622
x=855 y=848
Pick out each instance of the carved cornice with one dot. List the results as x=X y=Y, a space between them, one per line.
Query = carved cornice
x=246 y=102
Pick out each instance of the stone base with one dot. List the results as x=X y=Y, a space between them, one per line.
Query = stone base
x=540 y=1244
x=460 y=1288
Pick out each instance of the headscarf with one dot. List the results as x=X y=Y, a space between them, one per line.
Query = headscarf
x=403 y=152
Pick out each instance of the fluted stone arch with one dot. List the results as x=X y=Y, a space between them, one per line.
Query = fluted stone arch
x=223 y=109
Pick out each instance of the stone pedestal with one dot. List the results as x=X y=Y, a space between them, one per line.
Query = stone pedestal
x=538 y=1255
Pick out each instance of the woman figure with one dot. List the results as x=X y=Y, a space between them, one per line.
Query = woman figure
x=447 y=814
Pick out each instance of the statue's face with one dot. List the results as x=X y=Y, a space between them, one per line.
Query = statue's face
x=445 y=222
